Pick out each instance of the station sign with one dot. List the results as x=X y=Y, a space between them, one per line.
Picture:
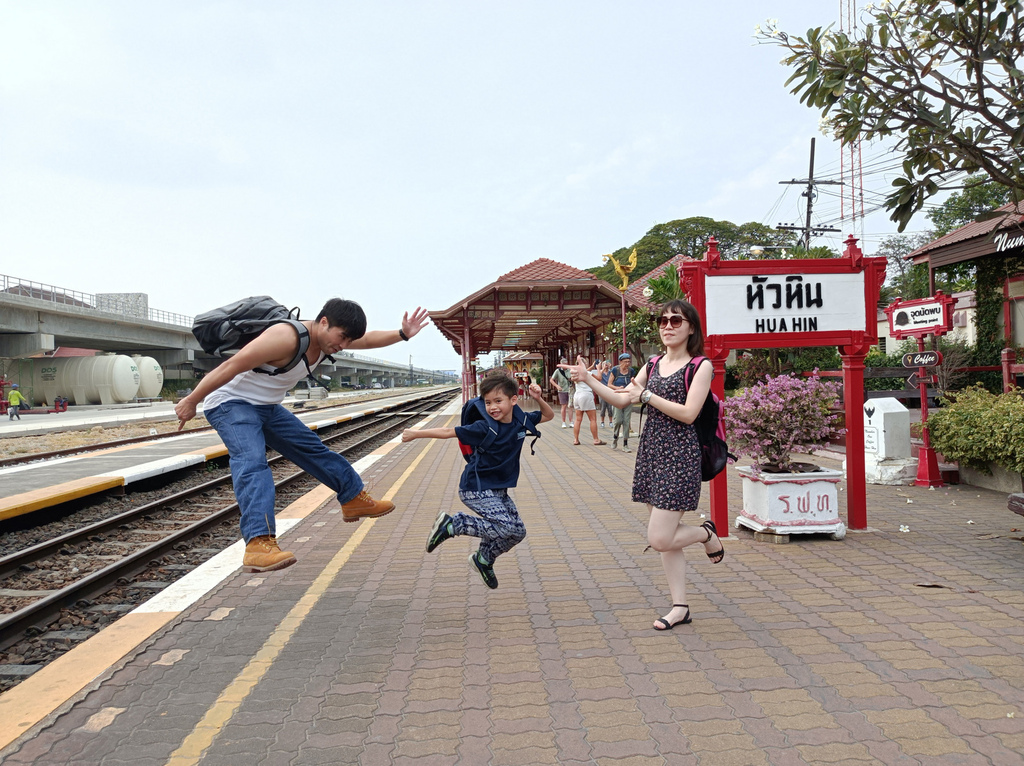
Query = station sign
x=922 y=359
x=924 y=316
x=773 y=303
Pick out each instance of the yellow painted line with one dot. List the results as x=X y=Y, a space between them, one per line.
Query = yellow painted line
x=210 y=452
x=44 y=497
x=202 y=736
x=40 y=694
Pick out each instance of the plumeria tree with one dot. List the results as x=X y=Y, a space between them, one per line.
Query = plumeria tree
x=942 y=77
x=785 y=414
x=641 y=329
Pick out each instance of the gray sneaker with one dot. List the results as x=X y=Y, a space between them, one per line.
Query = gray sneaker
x=625 y=447
x=615 y=443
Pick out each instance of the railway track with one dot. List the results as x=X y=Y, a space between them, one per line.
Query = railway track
x=59 y=592
x=99 y=446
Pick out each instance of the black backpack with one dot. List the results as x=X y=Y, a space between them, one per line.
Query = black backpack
x=223 y=331
x=709 y=425
x=474 y=410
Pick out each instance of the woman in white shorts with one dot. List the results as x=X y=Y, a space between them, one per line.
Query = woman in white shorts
x=583 y=401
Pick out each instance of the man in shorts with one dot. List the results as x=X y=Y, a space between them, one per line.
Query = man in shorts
x=564 y=385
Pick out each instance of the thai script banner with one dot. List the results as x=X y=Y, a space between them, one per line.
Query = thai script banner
x=918 y=316
x=784 y=303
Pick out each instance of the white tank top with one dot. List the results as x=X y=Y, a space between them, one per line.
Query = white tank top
x=257 y=388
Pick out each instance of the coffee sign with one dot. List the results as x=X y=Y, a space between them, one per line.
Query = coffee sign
x=922 y=359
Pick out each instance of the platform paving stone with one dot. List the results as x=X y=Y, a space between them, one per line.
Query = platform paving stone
x=886 y=647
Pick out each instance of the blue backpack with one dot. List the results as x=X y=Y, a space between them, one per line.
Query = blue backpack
x=474 y=410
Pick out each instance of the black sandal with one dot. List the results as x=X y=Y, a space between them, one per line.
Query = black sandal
x=685 y=621
x=715 y=556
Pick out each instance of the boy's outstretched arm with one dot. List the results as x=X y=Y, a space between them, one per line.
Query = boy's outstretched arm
x=428 y=433
x=546 y=413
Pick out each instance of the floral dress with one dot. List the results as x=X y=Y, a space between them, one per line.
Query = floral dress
x=667 y=473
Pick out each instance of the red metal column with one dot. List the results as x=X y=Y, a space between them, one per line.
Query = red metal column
x=927 y=463
x=853 y=401
x=468 y=378
x=719 y=486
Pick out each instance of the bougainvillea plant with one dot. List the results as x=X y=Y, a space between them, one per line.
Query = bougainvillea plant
x=784 y=414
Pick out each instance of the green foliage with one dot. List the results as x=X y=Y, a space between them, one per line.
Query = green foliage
x=992 y=271
x=979 y=197
x=942 y=78
x=689 y=236
x=537 y=373
x=666 y=287
x=877 y=358
x=641 y=329
x=754 y=366
x=903 y=279
x=810 y=358
x=976 y=427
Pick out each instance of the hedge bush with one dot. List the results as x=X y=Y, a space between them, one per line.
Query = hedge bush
x=975 y=427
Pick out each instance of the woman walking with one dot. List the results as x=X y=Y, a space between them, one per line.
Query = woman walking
x=667 y=474
x=583 y=401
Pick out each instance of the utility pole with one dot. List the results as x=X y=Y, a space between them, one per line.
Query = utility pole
x=810 y=194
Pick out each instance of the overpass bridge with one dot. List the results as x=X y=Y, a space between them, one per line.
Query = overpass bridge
x=37 y=318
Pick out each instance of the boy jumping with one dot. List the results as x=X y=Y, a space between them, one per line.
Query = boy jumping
x=486 y=480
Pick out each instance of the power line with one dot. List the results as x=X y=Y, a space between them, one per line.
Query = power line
x=810 y=193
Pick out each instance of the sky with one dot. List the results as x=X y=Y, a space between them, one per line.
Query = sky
x=399 y=154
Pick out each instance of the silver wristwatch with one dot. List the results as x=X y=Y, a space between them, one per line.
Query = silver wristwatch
x=646 y=396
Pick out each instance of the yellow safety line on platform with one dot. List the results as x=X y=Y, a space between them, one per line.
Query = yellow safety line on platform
x=202 y=736
x=36 y=499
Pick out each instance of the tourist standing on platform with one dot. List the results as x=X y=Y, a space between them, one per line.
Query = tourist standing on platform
x=563 y=384
x=245 y=408
x=584 y=403
x=667 y=474
x=487 y=478
x=606 y=409
x=621 y=377
x=15 y=400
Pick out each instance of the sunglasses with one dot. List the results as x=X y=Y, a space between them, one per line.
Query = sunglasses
x=675 y=321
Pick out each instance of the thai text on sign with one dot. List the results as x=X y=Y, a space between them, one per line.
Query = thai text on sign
x=785 y=303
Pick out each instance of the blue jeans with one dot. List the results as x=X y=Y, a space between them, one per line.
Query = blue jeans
x=247 y=430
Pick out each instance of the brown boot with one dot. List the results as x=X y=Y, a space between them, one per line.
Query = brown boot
x=262 y=554
x=362 y=506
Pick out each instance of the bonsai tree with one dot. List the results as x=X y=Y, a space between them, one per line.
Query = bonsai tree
x=781 y=415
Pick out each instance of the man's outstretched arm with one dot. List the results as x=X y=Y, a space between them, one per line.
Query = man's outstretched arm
x=411 y=325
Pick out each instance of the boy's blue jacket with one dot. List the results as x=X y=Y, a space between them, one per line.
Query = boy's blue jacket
x=491 y=448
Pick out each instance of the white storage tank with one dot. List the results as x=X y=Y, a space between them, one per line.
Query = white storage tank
x=151 y=377
x=107 y=379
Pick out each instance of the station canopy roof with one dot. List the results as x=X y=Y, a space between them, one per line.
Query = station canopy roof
x=537 y=307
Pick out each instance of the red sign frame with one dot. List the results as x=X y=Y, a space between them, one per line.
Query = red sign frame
x=853 y=347
x=946 y=301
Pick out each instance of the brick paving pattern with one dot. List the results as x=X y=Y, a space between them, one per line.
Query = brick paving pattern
x=815 y=652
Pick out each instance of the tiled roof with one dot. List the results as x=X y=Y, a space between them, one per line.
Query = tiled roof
x=635 y=292
x=545 y=270
x=976 y=229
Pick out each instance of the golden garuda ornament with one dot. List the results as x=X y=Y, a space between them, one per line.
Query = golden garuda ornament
x=623 y=269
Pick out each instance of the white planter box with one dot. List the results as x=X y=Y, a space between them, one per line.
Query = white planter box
x=791 y=503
